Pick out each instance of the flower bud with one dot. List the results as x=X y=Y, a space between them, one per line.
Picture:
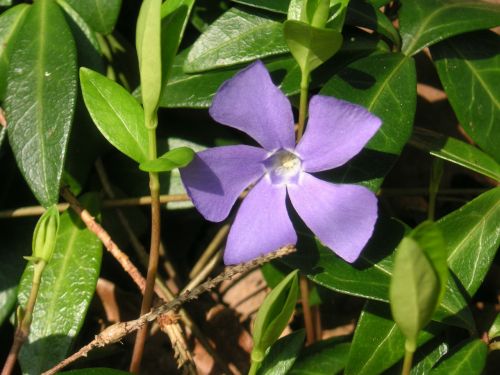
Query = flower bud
x=44 y=237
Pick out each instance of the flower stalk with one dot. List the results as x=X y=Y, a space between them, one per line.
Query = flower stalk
x=304 y=89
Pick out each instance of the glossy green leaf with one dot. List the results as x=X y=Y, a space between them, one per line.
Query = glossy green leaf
x=148 y=45
x=274 y=314
x=364 y=14
x=117 y=115
x=470 y=359
x=40 y=98
x=311 y=46
x=15 y=242
x=385 y=345
x=494 y=330
x=455 y=151
x=67 y=287
x=472 y=236
x=101 y=15
x=327 y=357
x=96 y=371
x=235 y=38
x=370 y=276
x=175 y=15
x=176 y=158
x=279 y=6
x=384 y=84
x=10 y=22
x=425 y=22
x=469 y=69
x=282 y=354
x=414 y=291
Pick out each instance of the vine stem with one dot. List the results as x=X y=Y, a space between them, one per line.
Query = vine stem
x=154 y=251
x=407 y=362
x=23 y=328
x=304 y=88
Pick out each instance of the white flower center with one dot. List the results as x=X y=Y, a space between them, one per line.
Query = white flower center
x=283 y=167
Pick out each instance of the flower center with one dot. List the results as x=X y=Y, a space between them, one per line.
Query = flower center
x=283 y=167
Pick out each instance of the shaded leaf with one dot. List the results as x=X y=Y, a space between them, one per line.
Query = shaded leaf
x=455 y=151
x=327 y=357
x=101 y=15
x=384 y=84
x=425 y=22
x=10 y=22
x=235 y=38
x=279 y=6
x=469 y=69
x=67 y=287
x=282 y=354
x=15 y=240
x=175 y=158
x=40 y=98
x=117 y=115
x=96 y=371
x=470 y=359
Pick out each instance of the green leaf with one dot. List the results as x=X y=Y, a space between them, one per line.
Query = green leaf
x=95 y=371
x=425 y=22
x=41 y=96
x=470 y=359
x=311 y=46
x=101 y=15
x=176 y=158
x=455 y=151
x=273 y=315
x=175 y=15
x=235 y=38
x=15 y=238
x=384 y=84
x=282 y=354
x=148 y=45
x=414 y=292
x=370 y=276
x=385 y=346
x=117 y=115
x=10 y=22
x=327 y=357
x=363 y=14
x=494 y=330
x=279 y=6
x=67 y=287
x=472 y=236
x=469 y=69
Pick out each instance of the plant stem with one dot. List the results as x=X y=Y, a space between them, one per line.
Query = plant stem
x=154 y=252
x=304 y=88
x=23 y=328
x=436 y=175
x=407 y=362
x=306 y=308
x=254 y=367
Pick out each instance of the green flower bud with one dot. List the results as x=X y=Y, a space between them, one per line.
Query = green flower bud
x=44 y=237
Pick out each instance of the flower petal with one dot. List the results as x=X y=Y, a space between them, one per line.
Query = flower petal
x=336 y=131
x=341 y=216
x=252 y=103
x=217 y=176
x=262 y=224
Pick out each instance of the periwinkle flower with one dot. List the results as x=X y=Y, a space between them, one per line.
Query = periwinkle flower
x=342 y=216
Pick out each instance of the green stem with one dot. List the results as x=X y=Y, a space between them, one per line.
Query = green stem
x=254 y=367
x=407 y=362
x=154 y=252
x=435 y=181
x=23 y=328
x=304 y=88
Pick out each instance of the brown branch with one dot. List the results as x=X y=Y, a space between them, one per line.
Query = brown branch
x=118 y=331
x=109 y=203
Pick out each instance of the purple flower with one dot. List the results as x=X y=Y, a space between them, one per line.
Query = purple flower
x=341 y=216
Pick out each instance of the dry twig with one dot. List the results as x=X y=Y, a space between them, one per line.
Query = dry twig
x=117 y=332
